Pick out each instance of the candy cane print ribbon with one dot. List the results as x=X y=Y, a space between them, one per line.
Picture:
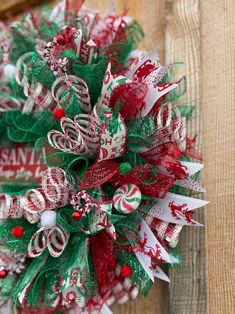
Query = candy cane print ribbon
x=89 y=126
x=69 y=85
x=70 y=141
x=37 y=94
x=54 y=193
x=56 y=187
x=55 y=240
x=9 y=207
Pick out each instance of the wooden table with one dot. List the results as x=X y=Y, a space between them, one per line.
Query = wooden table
x=200 y=33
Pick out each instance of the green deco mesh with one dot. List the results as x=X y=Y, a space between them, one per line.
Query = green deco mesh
x=93 y=75
x=8 y=240
x=139 y=277
x=26 y=128
x=41 y=72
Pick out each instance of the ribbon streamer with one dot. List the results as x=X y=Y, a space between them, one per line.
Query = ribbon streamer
x=177 y=209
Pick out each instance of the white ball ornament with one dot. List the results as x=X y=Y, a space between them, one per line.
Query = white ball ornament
x=48 y=219
x=9 y=71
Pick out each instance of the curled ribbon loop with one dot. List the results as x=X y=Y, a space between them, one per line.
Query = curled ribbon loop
x=55 y=240
x=55 y=184
x=22 y=68
x=8 y=103
x=70 y=140
x=39 y=97
x=38 y=243
x=63 y=90
x=9 y=207
x=55 y=193
x=171 y=127
x=89 y=126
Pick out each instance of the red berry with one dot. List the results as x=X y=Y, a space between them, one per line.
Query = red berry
x=126 y=271
x=3 y=274
x=60 y=40
x=18 y=232
x=58 y=113
x=77 y=216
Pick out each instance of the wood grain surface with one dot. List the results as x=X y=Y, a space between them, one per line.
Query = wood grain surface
x=201 y=34
x=218 y=111
x=188 y=288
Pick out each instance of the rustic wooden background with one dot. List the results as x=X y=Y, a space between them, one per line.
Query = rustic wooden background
x=200 y=33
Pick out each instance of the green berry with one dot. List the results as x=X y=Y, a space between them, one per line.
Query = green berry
x=124 y=168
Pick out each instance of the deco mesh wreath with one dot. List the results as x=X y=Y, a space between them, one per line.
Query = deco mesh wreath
x=101 y=115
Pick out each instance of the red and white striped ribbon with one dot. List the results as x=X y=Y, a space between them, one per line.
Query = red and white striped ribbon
x=39 y=97
x=89 y=126
x=70 y=140
x=70 y=84
x=55 y=240
x=10 y=207
x=55 y=193
x=81 y=136
x=171 y=128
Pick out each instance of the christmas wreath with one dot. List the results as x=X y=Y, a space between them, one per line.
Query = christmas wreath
x=105 y=121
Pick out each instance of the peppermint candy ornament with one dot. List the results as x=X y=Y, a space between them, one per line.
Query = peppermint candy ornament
x=127 y=198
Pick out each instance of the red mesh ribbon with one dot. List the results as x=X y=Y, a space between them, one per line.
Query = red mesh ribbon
x=98 y=174
x=149 y=181
x=190 y=148
x=102 y=251
x=167 y=159
x=131 y=96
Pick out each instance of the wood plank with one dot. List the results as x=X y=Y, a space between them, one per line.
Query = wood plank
x=218 y=104
x=188 y=289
